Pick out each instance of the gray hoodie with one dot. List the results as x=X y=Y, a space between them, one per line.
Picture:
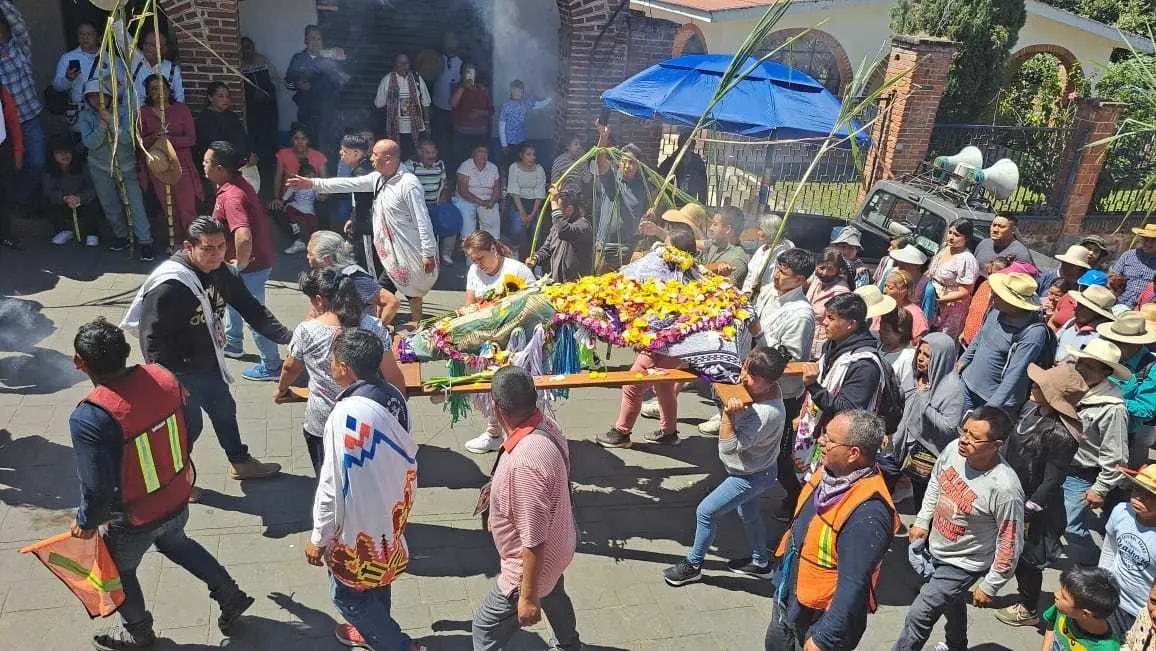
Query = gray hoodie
x=755 y=445
x=1104 y=444
x=932 y=414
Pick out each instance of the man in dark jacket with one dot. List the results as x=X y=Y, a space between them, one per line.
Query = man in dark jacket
x=568 y=250
x=359 y=222
x=179 y=313
x=315 y=77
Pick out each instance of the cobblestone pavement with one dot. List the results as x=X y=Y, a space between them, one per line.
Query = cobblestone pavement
x=635 y=507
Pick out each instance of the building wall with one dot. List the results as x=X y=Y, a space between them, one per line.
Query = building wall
x=1091 y=51
x=279 y=39
x=526 y=48
x=48 y=43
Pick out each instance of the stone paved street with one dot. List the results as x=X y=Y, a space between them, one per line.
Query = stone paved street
x=635 y=507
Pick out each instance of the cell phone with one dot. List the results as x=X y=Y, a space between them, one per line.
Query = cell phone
x=604 y=116
x=74 y=64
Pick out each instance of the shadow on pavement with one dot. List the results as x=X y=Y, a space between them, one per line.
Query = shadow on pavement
x=447 y=468
x=283 y=503
x=36 y=472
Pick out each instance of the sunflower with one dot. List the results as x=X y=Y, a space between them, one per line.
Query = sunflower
x=512 y=284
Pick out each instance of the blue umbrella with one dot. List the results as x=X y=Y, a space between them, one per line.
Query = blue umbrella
x=773 y=100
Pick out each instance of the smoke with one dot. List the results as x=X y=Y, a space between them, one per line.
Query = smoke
x=22 y=325
x=31 y=369
x=525 y=37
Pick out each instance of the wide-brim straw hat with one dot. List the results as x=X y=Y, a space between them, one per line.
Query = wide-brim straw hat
x=1145 y=477
x=1063 y=389
x=1097 y=299
x=1017 y=289
x=163 y=163
x=877 y=302
x=1149 y=230
x=679 y=217
x=908 y=254
x=1129 y=328
x=1078 y=255
x=1105 y=352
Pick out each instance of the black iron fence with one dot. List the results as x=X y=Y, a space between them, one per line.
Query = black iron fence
x=1127 y=183
x=1040 y=153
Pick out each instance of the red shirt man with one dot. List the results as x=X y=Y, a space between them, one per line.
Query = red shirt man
x=239 y=206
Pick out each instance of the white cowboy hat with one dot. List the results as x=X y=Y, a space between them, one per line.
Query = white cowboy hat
x=1096 y=298
x=1078 y=255
x=849 y=235
x=1105 y=352
x=1129 y=328
x=1017 y=289
x=908 y=254
x=877 y=302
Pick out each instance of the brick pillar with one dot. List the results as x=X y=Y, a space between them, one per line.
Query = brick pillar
x=901 y=135
x=1095 y=120
x=631 y=44
x=215 y=23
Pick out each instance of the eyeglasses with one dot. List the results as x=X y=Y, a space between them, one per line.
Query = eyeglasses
x=968 y=437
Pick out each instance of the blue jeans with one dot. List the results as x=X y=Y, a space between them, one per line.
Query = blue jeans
x=234 y=324
x=208 y=391
x=108 y=192
x=128 y=546
x=35 y=156
x=736 y=492
x=1081 y=547
x=368 y=612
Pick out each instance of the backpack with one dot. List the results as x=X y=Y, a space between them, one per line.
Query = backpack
x=889 y=404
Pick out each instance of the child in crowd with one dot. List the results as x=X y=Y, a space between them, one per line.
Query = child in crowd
x=748 y=446
x=71 y=197
x=1079 y=618
x=301 y=210
x=512 y=120
x=567 y=251
x=1056 y=292
x=895 y=337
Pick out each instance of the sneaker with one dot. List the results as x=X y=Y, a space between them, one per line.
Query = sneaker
x=350 y=636
x=748 y=567
x=711 y=426
x=614 y=438
x=146 y=253
x=682 y=573
x=262 y=373
x=231 y=610
x=118 y=638
x=296 y=247
x=62 y=238
x=233 y=353
x=92 y=241
x=649 y=409
x=483 y=443
x=252 y=469
x=118 y=244
x=12 y=243
x=1017 y=615
x=662 y=438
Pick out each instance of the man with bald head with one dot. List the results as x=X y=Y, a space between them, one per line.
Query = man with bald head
x=402 y=233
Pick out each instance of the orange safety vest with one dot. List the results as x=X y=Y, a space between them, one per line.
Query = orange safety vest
x=818 y=562
x=155 y=470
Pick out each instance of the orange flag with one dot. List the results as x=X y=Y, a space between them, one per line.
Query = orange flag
x=85 y=567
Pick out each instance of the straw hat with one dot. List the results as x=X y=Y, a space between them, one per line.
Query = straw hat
x=848 y=235
x=1149 y=312
x=1149 y=230
x=163 y=162
x=908 y=254
x=877 y=302
x=1019 y=290
x=1145 y=477
x=680 y=217
x=1129 y=328
x=1062 y=388
x=1077 y=255
x=697 y=215
x=1105 y=352
x=1097 y=299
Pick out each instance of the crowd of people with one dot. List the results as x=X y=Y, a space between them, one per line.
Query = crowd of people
x=1012 y=407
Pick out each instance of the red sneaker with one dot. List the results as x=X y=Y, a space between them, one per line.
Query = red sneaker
x=349 y=636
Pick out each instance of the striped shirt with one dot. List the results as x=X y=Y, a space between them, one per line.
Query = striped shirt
x=432 y=179
x=530 y=504
x=16 y=68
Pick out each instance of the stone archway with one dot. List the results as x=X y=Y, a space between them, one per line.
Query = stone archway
x=689 y=40
x=1069 y=72
x=816 y=53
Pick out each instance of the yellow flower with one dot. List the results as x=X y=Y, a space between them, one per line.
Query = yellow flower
x=512 y=283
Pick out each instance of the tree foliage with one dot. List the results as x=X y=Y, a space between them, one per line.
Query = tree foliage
x=1136 y=16
x=1132 y=81
x=986 y=31
x=1032 y=97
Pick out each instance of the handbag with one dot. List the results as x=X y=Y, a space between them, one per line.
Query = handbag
x=919 y=462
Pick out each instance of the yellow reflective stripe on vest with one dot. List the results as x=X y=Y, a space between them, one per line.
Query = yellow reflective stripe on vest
x=148 y=468
x=826 y=552
x=175 y=443
x=108 y=585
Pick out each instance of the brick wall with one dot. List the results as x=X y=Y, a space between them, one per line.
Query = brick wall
x=1095 y=120
x=216 y=24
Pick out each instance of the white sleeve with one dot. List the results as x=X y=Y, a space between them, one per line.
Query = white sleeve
x=340 y=184
x=60 y=81
x=328 y=510
x=178 y=83
x=415 y=200
x=382 y=89
x=502 y=132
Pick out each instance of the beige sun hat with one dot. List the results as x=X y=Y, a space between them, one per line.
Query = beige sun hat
x=1062 y=388
x=908 y=254
x=163 y=163
x=877 y=302
x=1096 y=298
x=1105 y=352
x=849 y=235
x=1129 y=328
x=1149 y=230
x=1145 y=477
x=1078 y=255
x=680 y=217
x=1018 y=289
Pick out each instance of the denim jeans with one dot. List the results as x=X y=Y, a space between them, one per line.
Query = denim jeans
x=497 y=619
x=108 y=192
x=128 y=546
x=234 y=324
x=208 y=391
x=736 y=492
x=1081 y=547
x=945 y=593
x=35 y=155
x=368 y=612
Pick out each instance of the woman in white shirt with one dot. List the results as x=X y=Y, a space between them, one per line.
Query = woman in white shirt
x=145 y=64
x=479 y=189
x=490 y=262
x=527 y=189
x=895 y=344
